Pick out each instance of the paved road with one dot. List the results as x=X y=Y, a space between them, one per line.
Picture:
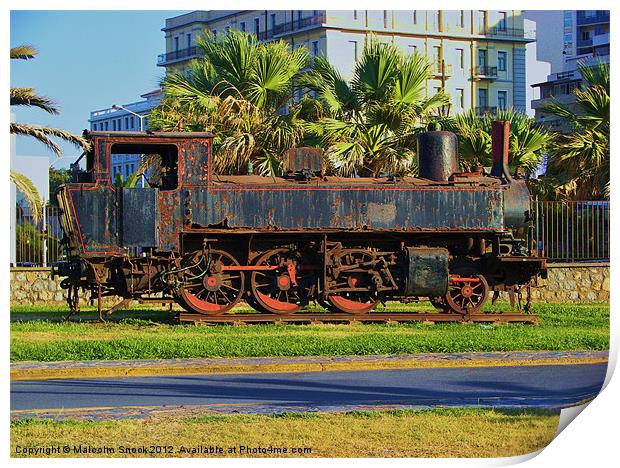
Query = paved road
x=535 y=386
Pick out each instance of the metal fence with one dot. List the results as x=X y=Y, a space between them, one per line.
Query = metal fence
x=571 y=231
x=37 y=244
x=563 y=232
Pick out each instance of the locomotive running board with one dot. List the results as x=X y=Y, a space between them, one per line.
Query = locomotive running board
x=372 y=317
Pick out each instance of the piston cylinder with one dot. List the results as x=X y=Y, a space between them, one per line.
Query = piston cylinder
x=437 y=155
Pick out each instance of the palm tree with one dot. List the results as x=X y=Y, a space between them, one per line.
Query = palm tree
x=528 y=140
x=29 y=97
x=578 y=163
x=239 y=90
x=370 y=125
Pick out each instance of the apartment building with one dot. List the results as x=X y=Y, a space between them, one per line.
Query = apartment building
x=477 y=56
x=585 y=40
x=132 y=117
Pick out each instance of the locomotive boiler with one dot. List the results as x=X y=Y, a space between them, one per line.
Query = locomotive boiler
x=208 y=241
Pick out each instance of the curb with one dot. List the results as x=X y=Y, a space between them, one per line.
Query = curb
x=172 y=367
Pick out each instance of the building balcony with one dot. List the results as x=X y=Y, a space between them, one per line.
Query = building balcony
x=292 y=26
x=565 y=99
x=484 y=72
x=601 y=40
x=586 y=17
x=177 y=55
x=482 y=110
x=509 y=33
x=441 y=69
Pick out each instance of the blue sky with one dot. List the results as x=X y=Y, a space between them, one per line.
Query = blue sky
x=87 y=60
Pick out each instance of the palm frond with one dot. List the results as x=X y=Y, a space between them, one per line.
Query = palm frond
x=42 y=134
x=31 y=194
x=23 y=52
x=28 y=97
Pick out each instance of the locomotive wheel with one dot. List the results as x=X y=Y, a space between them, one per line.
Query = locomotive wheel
x=467 y=293
x=283 y=290
x=210 y=290
x=353 y=302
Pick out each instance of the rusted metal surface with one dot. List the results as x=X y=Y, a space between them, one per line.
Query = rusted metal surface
x=169 y=223
x=437 y=155
x=194 y=156
x=139 y=214
x=367 y=208
x=427 y=273
x=500 y=141
x=304 y=159
x=94 y=209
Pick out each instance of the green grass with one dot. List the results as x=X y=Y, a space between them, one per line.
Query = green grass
x=563 y=327
x=401 y=433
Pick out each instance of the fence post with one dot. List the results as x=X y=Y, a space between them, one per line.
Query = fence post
x=44 y=234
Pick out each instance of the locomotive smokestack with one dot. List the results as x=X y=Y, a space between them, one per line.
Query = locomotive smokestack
x=438 y=155
x=500 y=143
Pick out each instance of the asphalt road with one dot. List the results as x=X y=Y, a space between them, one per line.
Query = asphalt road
x=549 y=386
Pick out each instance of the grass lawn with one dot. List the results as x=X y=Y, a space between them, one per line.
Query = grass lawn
x=402 y=433
x=144 y=334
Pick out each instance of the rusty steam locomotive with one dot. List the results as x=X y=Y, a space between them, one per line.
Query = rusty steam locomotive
x=208 y=241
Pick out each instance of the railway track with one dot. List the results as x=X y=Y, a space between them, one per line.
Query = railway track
x=379 y=317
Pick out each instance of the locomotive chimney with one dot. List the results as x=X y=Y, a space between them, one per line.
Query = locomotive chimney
x=438 y=155
x=500 y=143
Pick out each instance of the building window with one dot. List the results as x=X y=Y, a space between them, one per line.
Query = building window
x=589 y=14
x=188 y=36
x=176 y=43
x=501 y=25
x=242 y=26
x=300 y=15
x=415 y=16
x=355 y=15
x=502 y=99
x=482 y=22
x=114 y=125
x=460 y=58
x=131 y=121
x=315 y=48
x=501 y=60
x=214 y=32
x=460 y=98
x=256 y=26
x=385 y=19
x=462 y=19
x=106 y=125
x=354 y=47
x=482 y=57
x=437 y=55
x=483 y=98
x=227 y=29
x=133 y=168
x=585 y=35
x=272 y=21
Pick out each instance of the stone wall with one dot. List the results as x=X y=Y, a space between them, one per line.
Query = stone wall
x=35 y=286
x=582 y=282
x=565 y=282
